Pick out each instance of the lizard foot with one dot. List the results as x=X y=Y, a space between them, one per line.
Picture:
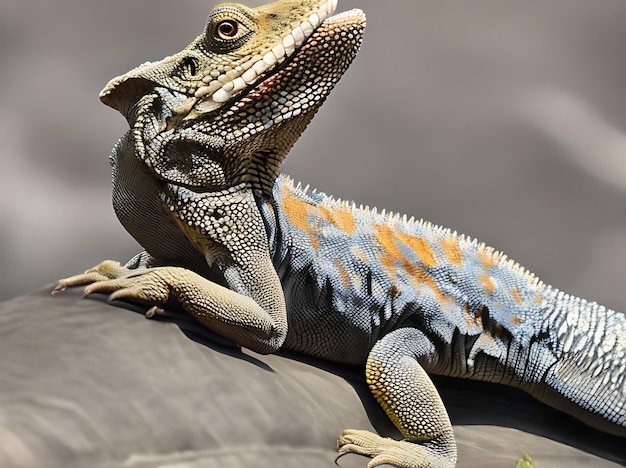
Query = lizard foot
x=140 y=285
x=107 y=270
x=385 y=451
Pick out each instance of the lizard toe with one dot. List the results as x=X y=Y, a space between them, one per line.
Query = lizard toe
x=107 y=270
x=390 y=452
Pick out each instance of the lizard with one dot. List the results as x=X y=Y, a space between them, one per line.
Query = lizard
x=269 y=264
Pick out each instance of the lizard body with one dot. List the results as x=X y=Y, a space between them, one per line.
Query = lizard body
x=268 y=264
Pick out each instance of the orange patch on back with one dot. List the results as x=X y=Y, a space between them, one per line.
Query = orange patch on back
x=342 y=272
x=390 y=267
x=324 y=213
x=360 y=255
x=344 y=220
x=489 y=259
x=487 y=283
x=420 y=278
x=517 y=297
x=452 y=251
x=387 y=240
x=420 y=247
x=298 y=212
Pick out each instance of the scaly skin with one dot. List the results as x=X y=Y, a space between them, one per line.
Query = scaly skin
x=354 y=277
x=267 y=264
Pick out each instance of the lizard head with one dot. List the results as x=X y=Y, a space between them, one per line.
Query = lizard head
x=229 y=107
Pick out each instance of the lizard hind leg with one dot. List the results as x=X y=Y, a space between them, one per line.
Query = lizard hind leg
x=408 y=396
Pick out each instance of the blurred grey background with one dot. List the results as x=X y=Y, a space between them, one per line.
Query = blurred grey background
x=501 y=119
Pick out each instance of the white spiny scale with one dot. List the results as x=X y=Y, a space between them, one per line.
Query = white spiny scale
x=251 y=74
x=289 y=44
x=260 y=66
x=279 y=51
x=239 y=84
x=314 y=19
x=307 y=28
x=221 y=96
x=270 y=58
x=298 y=36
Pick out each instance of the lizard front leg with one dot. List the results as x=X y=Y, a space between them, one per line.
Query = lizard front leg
x=408 y=396
x=227 y=228
x=256 y=320
x=261 y=327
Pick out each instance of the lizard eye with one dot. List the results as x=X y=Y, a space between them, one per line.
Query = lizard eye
x=227 y=29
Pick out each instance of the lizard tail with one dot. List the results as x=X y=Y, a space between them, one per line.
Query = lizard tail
x=588 y=377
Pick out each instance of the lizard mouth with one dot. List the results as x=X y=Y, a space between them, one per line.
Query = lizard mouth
x=248 y=136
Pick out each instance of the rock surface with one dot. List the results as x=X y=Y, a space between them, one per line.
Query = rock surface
x=84 y=383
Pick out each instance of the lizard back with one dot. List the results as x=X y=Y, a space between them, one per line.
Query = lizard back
x=352 y=274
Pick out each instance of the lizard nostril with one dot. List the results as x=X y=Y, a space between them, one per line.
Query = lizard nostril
x=190 y=66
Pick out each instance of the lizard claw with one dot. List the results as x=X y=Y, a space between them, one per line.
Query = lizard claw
x=60 y=287
x=154 y=310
